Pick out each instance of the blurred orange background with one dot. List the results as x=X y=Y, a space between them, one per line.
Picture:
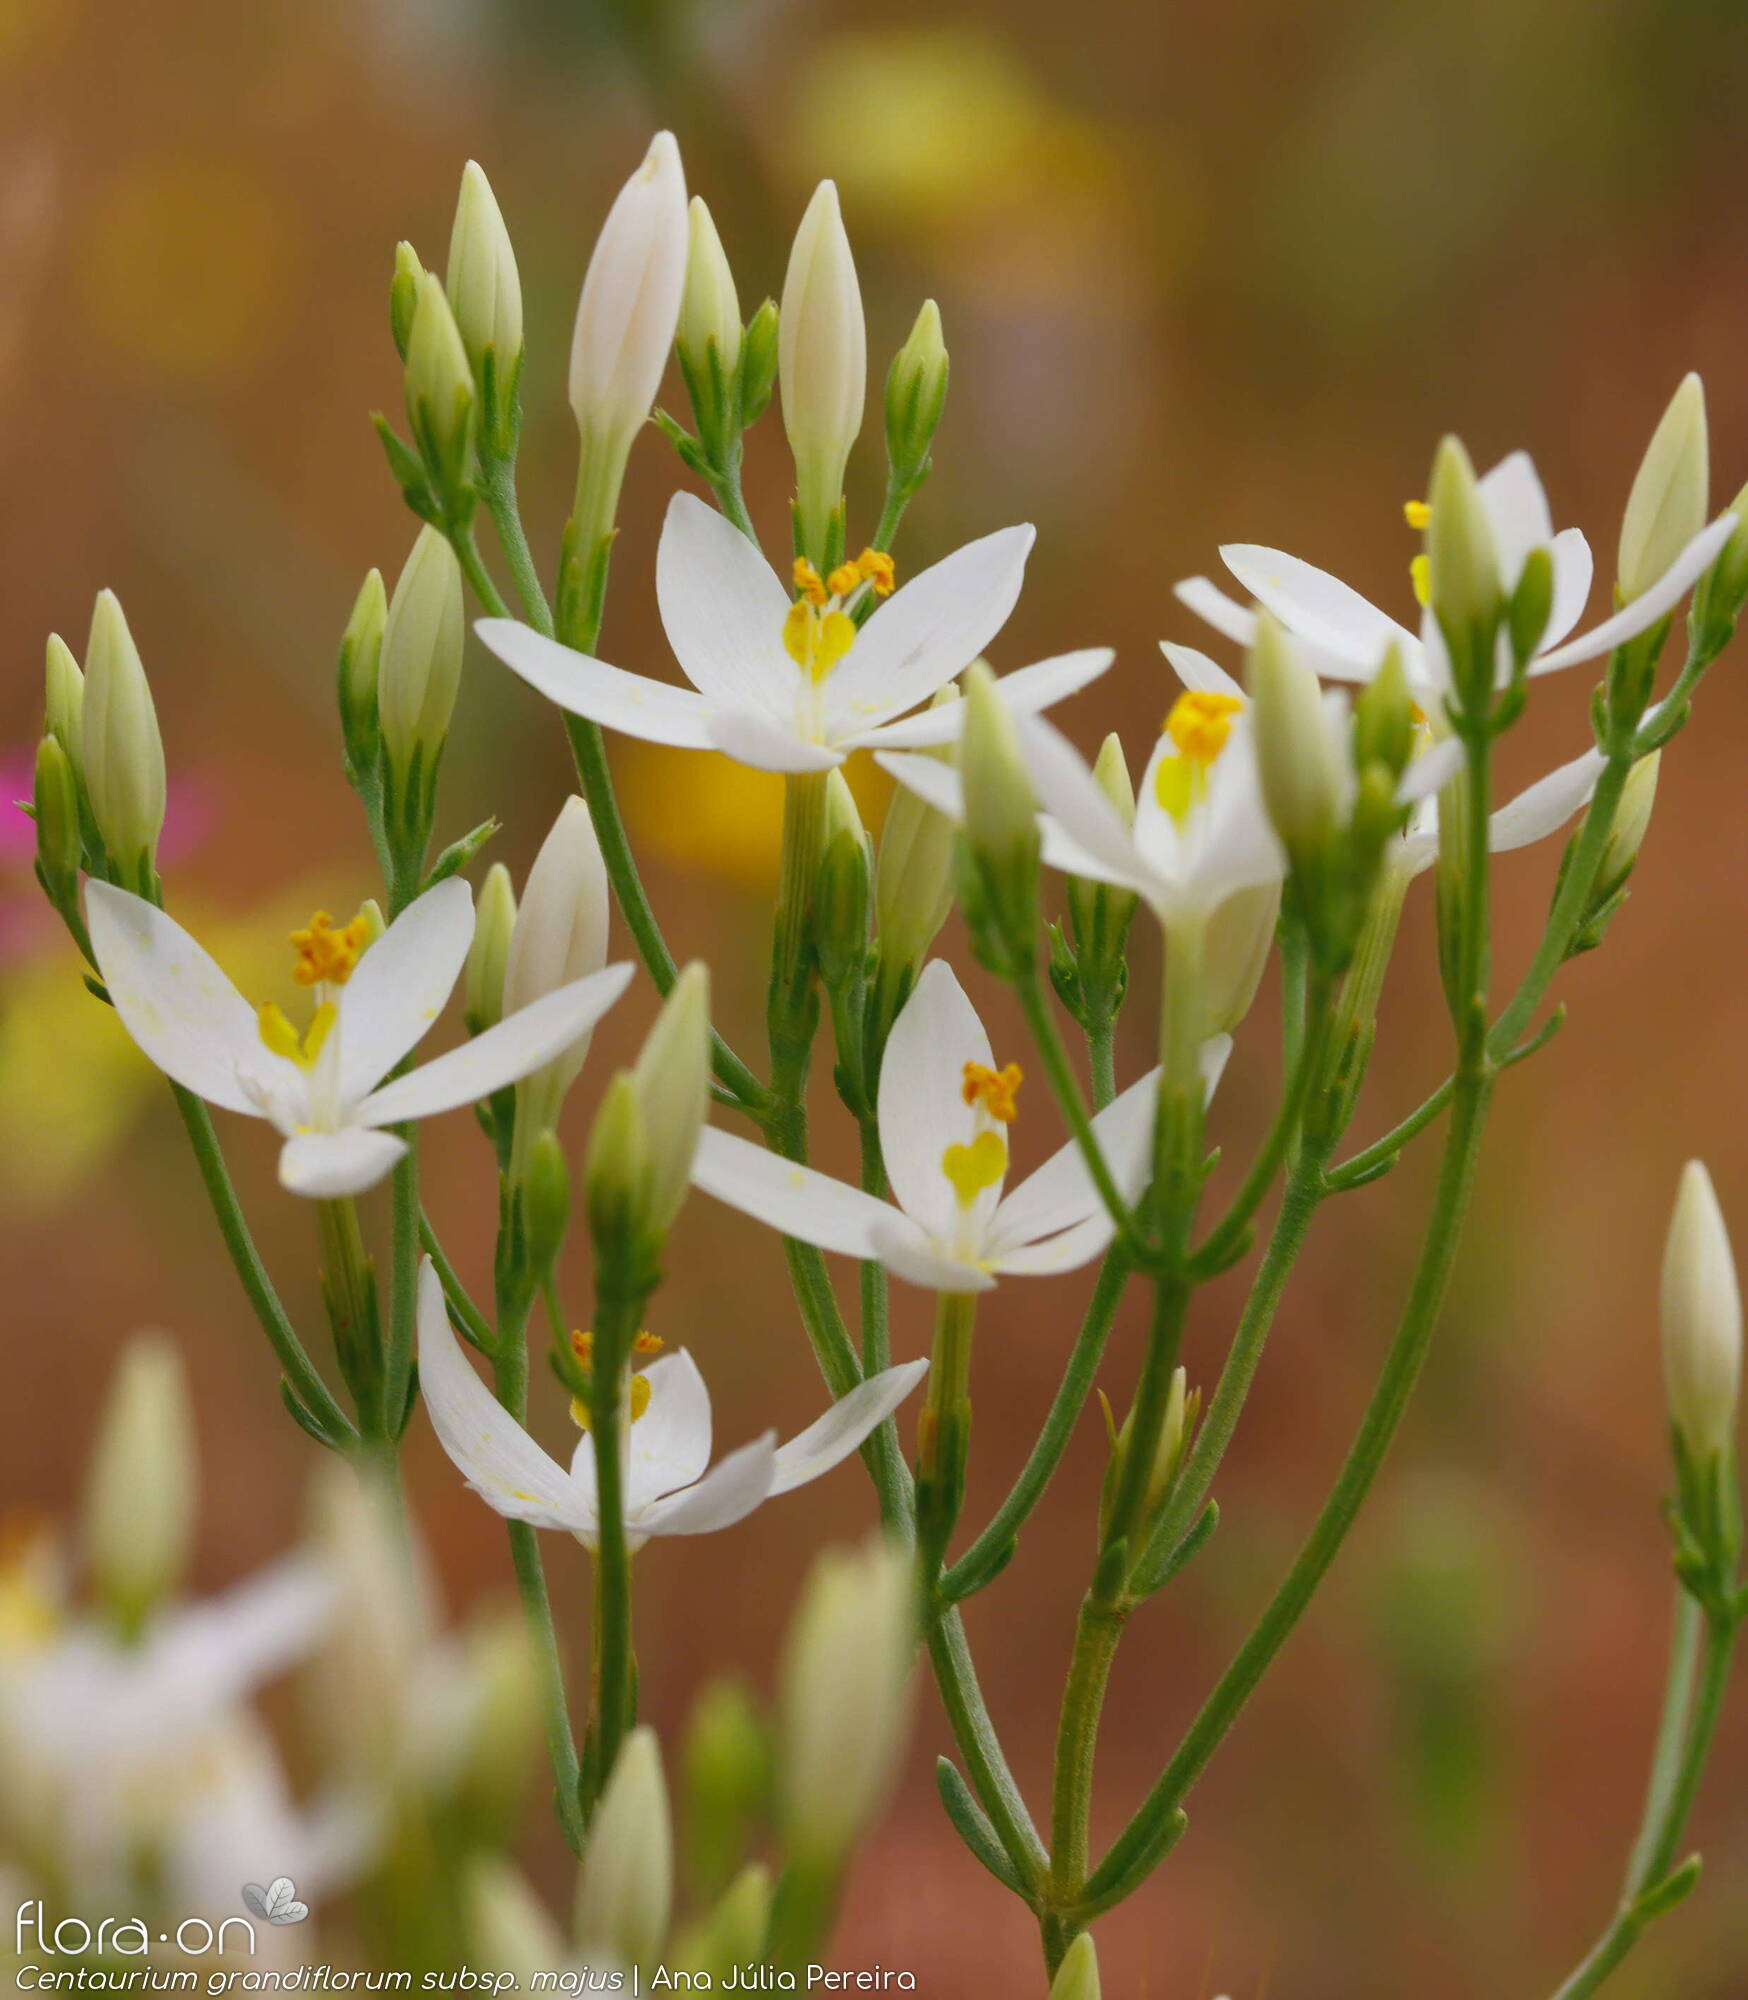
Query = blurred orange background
x=1207 y=273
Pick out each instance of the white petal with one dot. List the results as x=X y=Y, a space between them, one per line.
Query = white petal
x=1061 y=1192
x=729 y=1494
x=1517 y=509
x=401 y=983
x=1071 y=795
x=1198 y=672
x=214 y=1653
x=929 y=630
x=1430 y=770
x=631 y=703
x=1314 y=605
x=1214 y=607
x=1663 y=596
x=935 y=783
x=1546 y=805
x=830 y=1441
x=1066 y=1251
x=517 y=1046
x=1573 y=569
x=493 y=1453
x=922 y=1109
x=1026 y=691
x=173 y=1000
x=908 y=1253
x=326 y=1165
x=723 y=608
x=750 y=737
x=670 y=1442
x=799 y=1201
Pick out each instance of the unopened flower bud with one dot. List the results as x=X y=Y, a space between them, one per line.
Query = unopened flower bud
x=1235 y=948
x=823 y=362
x=403 y=295
x=1180 y=1417
x=124 y=754
x=1001 y=826
x=489 y=954
x=485 y=290
x=559 y=935
x=1719 y=596
x=732 y=1934
x=1099 y=913
x=626 y=1891
x=843 y=893
x=507 y=1925
x=140 y=1493
x=616 y=1173
x=1671 y=490
x=913 y=876
x=356 y=675
x=916 y=393
x=1702 y=1319
x=1383 y=718
x=626 y=317
x=672 y=1077
x=546 y=1201
x=758 y=362
x=63 y=715
x=420 y=671
x=1296 y=759
x=709 y=305
x=1462 y=561
x=439 y=385
x=59 y=846
x=728 y=1779
x=848 y=1653
x=1632 y=821
x=1077 y=1977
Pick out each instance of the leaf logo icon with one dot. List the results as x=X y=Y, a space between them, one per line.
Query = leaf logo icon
x=277 y=1903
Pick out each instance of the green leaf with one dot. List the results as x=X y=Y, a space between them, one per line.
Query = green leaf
x=1139 y=1849
x=973 y=1827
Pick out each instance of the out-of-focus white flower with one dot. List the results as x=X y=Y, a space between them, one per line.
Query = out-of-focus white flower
x=944 y=1114
x=787 y=683
x=322 y=1089
x=140 y=1489
x=668 y=1489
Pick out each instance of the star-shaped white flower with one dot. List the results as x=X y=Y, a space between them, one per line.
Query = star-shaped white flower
x=944 y=1114
x=1346 y=638
x=323 y=1089
x=787 y=683
x=668 y=1489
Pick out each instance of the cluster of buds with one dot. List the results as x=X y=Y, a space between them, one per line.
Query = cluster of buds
x=729 y=368
x=1089 y=962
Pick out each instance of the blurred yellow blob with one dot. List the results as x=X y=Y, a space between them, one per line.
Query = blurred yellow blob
x=183 y=263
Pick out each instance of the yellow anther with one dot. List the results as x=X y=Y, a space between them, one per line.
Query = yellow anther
x=583 y=1347
x=1200 y=722
x=845 y=578
x=1417 y=514
x=1420 y=575
x=995 y=1089
x=807 y=582
x=875 y=566
x=325 y=956
x=973 y=1168
x=816 y=641
x=284 y=1040
x=639 y=1402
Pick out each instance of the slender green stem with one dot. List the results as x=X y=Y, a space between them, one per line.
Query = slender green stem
x=1097 y=1632
x=479 y=578
x=1672 y=1730
x=397 y=1385
x=1101 y=1050
x=475 y=1324
x=300 y=1372
x=498 y=483
x=944 y=1435
x=1658 y=1855
x=883 y=1452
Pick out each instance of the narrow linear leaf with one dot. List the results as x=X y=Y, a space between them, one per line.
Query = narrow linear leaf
x=973 y=1827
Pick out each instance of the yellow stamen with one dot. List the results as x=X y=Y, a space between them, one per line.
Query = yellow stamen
x=843 y=579
x=284 y=1040
x=807 y=582
x=325 y=956
x=1417 y=514
x=1420 y=575
x=816 y=641
x=583 y=1347
x=1200 y=722
x=973 y=1168
x=875 y=566
x=995 y=1089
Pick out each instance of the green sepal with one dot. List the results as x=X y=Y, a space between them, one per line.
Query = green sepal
x=306 y=1419
x=408 y=471
x=972 y=1826
x=458 y=854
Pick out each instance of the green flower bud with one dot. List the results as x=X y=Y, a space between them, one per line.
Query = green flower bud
x=64 y=700
x=1462 y=562
x=1077 y=1977
x=356 y=676
x=916 y=393
x=140 y=1490
x=1721 y=591
x=485 y=291
x=843 y=893
x=1001 y=820
x=823 y=362
x=709 y=305
x=439 y=385
x=124 y=754
x=1671 y=490
x=487 y=956
x=672 y=1078
x=758 y=363
x=1531 y=604
x=728 y=1779
x=626 y=1891
x=403 y=295
x=913 y=877
x=546 y=1201
x=733 y=1933
x=1296 y=757
x=849 y=1652
x=1235 y=948
x=1099 y=913
x=59 y=847
x=1180 y=1420
x=420 y=672
x=616 y=1170
x=1383 y=718
x=1702 y=1319
x=1632 y=821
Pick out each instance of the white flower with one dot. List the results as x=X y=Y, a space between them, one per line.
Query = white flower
x=668 y=1490
x=323 y=1089
x=791 y=684
x=944 y=1113
x=1346 y=638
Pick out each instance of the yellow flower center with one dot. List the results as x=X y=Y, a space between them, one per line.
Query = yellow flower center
x=284 y=1040
x=995 y=1089
x=29 y=1607
x=1199 y=726
x=326 y=956
x=1417 y=514
x=973 y=1168
x=638 y=1392
x=818 y=629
